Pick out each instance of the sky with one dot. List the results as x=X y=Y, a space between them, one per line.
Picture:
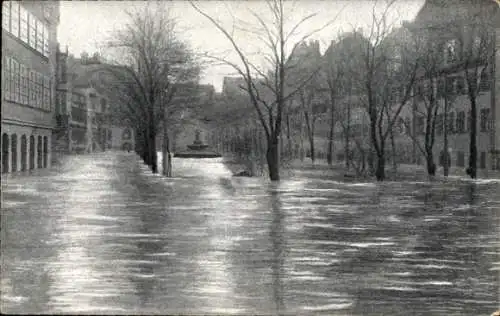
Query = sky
x=86 y=25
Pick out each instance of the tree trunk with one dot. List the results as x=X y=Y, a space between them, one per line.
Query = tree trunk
x=380 y=171
x=393 y=149
x=153 y=158
x=311 y=147
x=145 y=149
x=347 y=132
x=329 y=155
x=289 y=138
x=446 y=166
x=472 y=170
x=272 y=157
x=431 y=166
x=167 y=162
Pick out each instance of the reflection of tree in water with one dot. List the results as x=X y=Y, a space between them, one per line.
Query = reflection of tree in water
x=448 y=262
x=150 y=222
x=278 y=249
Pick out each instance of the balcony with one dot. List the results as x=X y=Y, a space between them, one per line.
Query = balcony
x=79 y=115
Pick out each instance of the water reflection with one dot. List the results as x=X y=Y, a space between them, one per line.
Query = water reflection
x=278 y=250
x=107 y=236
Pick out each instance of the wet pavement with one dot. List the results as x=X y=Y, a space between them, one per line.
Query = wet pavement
x=104 y=235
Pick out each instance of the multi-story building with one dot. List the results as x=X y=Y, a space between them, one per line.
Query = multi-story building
x=83 y=116
x=465 y=37
x=29 y=44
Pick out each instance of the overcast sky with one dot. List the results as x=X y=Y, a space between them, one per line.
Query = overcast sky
x=85 y=25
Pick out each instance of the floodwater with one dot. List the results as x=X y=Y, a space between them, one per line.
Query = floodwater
x=103 y=235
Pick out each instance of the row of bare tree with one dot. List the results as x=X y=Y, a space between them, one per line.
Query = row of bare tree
x=152 y=80
x=384 y=69
x=387 y=70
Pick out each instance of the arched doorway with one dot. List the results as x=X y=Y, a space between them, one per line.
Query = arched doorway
x=13 y=149
x=45 y=151
x=24 y=153
x=32 y=152
x=39 y=152
x=5 y=153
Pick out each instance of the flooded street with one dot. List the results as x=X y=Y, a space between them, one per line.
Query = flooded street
x=104 y=235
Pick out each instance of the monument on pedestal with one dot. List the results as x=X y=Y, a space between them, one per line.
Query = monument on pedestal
x=197 y=150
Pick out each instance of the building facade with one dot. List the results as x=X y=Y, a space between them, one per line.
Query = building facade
x=29 y=44
x=83 y=109
x=467 y=46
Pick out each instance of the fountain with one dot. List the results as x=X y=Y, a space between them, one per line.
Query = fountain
x=197 y=150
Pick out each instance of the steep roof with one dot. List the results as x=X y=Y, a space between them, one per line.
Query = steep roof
x=435 y=11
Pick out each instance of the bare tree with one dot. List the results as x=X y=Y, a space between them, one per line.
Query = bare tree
x=342 y=72
x=269 y=90
x=382 y=72
x=309 y=98
x=151 y=61
x=334 y=74
x=472 y=39
x=429 y=88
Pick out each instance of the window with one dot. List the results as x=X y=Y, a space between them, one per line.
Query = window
x=401 y=126
x=420 y=125
x=460 y=159
x=46 y=93
x=420 y=93
x=450 y=123
x=14 y=84
x=461 y=89
x=482 y=160
x=38 y=89
x=461 y=122
x=6 y=15
x=440 y=87
x=39 y=36
x=32 y=88
x=485 y=120
x=469 y=120
x=32 y=30
x=484 y=84
x=6 y=78
x=14 y=23
x=450 y=85
x=61 y=102
x=439 y=124
x=24 y=15
x=450 y=52
x=103 y=105
x=407 y=126
x=476 y=45
x=46 y=50
x=24 y=85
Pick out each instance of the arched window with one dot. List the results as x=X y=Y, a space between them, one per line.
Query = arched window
x=24 y=153
x=5 y=153
x=32 y=152
x=39 y=152
x=13 y=149
x=45 y=151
